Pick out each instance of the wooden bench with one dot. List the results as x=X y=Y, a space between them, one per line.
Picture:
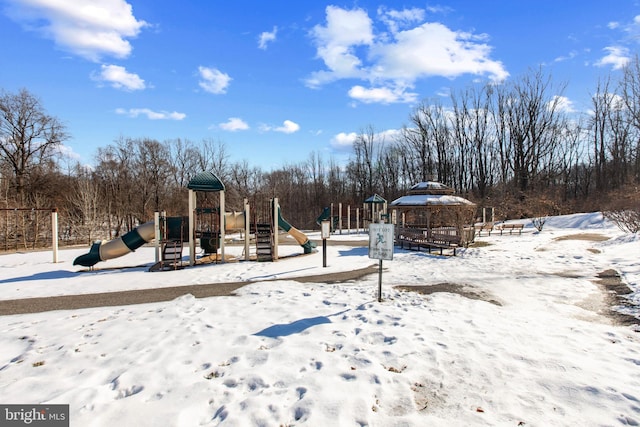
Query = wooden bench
x=411 y=239
x=444 y=241
x=484 y=226
x=420 y=240
x=511 y=228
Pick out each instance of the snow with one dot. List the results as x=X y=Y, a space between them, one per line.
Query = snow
x=430 y=199
x=520 y=343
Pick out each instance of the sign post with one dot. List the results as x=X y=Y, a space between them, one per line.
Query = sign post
x=325 y=233
x=381 y=247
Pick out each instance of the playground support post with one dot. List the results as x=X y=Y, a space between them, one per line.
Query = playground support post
x=274 y=215
x=222 y=226
x=159 y=225
x=54 y=234
x=192 y=241
x=156 y=229
x=247 y=230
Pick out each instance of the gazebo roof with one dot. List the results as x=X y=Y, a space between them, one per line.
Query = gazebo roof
x=431 y=200
x=205 y=181
x=430 y=193
x=375 y=199
x=430 y=187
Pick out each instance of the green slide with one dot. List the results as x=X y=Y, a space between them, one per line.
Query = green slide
x=102 y=251
x=300 y=237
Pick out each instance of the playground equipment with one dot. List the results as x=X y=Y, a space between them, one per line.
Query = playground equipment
x=268 y=221
x=102 y=251
x=205 y=224
x=299 y=236
x=169 y=234
x=334 y=220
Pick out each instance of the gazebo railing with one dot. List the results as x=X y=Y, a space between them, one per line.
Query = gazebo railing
x=467 y=236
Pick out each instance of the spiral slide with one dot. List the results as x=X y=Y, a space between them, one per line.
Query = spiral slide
x=102 y=251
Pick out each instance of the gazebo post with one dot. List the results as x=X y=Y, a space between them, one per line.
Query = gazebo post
x=247 y=229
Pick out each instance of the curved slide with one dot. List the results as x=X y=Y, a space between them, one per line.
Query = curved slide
x=102 y=251
x=300 y=237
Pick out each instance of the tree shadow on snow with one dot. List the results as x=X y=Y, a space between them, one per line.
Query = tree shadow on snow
x=359 y=251
x=285 y=329
x=47 y=275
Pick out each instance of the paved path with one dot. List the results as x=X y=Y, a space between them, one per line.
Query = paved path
x=143 y=296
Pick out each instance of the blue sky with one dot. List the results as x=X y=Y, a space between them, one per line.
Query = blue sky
x=277 y=80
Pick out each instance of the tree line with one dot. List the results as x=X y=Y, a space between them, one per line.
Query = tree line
x=514 y=146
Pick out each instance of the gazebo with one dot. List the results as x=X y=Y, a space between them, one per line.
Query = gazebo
x=374 y=207
x=432 y=207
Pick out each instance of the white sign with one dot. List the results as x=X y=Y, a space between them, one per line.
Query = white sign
x=325 y=231
x=381 y=241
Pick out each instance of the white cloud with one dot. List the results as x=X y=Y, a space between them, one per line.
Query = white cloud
x=392 y=62
x=213 y=80
x=267 y=37
x=91 y=29
x=617 y=57
x=119 y=78
x=383 y=95
x=432 y=49
x=562 y=104
x=567 y=57
x=151 y=115
x=234 y=124
x=68 y=152
x=287 y=127
x=400 y=18
x=336 y=42
x=343 y=140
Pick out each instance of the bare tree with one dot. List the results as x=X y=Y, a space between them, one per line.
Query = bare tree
x=532 y=114
x=430 y=141
x=86 y=201
x=28 y=135
x=472 y=128
x=630 y=92
x=184 y=161
x=215 y=158
x=363 y=168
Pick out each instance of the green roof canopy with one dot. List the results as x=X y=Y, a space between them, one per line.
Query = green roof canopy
x=375 y=199
x=205 y=181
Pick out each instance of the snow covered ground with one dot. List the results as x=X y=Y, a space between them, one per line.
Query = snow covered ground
x=521 y=339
